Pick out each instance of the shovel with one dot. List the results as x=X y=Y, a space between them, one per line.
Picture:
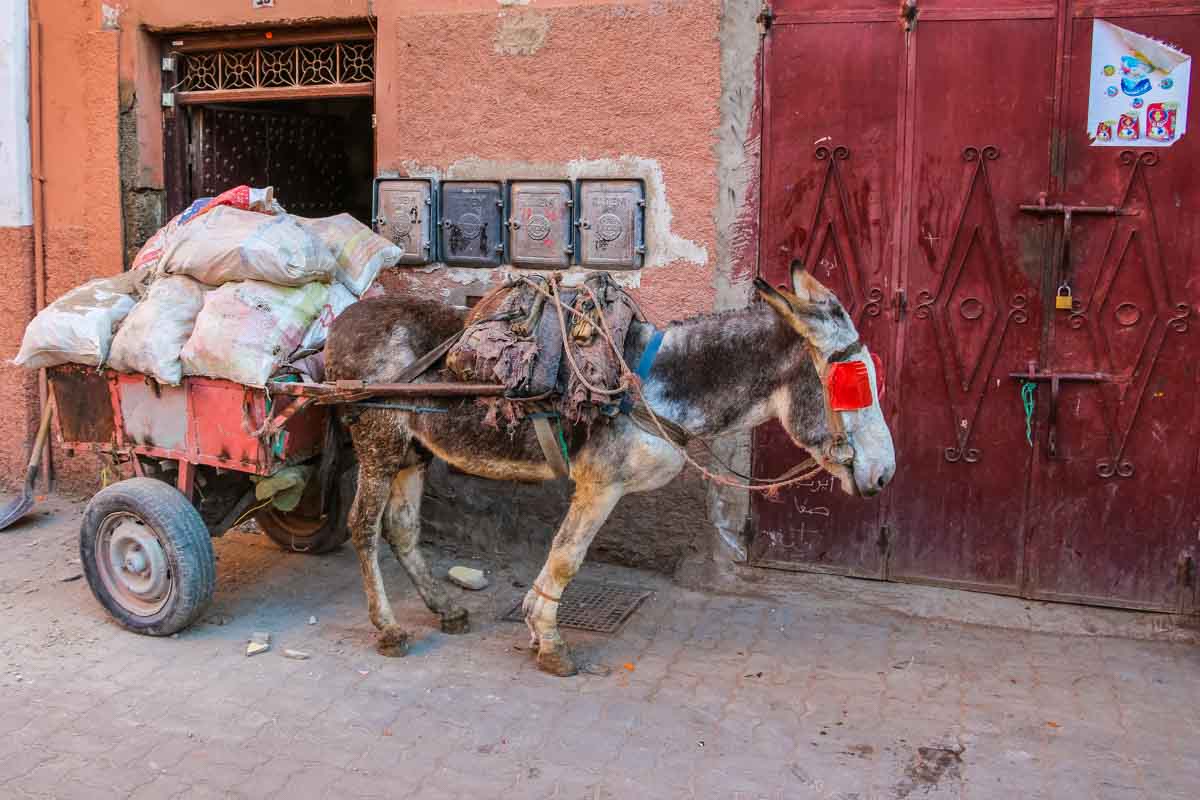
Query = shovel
x=20 y=507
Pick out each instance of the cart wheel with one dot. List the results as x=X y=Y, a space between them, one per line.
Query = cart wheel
x=147 y=556
x=304 y=529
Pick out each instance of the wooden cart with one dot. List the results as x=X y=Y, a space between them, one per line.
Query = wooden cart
x=195 y=449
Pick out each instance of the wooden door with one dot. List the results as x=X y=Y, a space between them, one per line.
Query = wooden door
x=304 y=156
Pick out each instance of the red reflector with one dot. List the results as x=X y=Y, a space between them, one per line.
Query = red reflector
x=880 y=384
x=849 y=386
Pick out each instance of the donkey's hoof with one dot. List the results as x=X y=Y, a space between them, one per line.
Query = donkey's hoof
x=557 y=662
x=393 y=643
x=457 y=621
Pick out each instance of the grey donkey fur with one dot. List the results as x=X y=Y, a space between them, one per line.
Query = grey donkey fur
x=714 y=374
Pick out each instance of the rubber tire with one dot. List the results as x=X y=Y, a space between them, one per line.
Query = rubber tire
x=186 y=542
x=329 y=536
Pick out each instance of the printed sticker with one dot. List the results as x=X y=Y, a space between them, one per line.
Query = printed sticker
x=1149 y=100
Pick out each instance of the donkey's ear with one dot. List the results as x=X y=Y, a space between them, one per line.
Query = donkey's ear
x=784 y=303
x=776 y=299
x=809 y=290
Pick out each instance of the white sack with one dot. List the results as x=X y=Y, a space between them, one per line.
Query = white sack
x=229 y=244
x=359 y=251
x=152 y=336
x=340 y=298
x=78 y=327
x=246 y=329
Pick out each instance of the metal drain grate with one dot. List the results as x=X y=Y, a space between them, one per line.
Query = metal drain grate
x=592 y=606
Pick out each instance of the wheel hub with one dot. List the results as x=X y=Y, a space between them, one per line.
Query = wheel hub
x=133 y=564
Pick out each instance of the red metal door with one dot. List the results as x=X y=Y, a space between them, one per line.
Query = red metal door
x=980 y=119
x=985 y=104
x=1115 y=516
x=832 y=97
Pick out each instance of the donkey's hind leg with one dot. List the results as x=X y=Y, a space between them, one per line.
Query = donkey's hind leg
x=590 y=507
x=365 y=518
x=402 y=529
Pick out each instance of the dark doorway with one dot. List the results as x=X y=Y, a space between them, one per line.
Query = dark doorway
x=318 y=154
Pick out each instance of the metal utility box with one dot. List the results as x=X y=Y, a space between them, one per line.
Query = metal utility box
x=472 y=229
x=540 y=233
x=611 y=217
x=404 y=212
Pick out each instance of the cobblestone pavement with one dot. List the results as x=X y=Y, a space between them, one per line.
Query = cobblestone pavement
x=819 y=695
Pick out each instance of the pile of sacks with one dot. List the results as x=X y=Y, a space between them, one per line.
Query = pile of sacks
x=234 y=288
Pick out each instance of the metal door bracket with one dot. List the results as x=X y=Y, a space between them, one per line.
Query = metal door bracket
x=1055 y=379
x=1042 y=208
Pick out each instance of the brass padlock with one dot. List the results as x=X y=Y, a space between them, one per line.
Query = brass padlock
x=1063 y=301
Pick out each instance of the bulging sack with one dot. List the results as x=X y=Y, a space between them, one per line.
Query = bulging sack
x=245 y=197
x=360 y=253
x=246 y=330
x=229 y=244
x=340 y=298
x=79 y=326
x=153 y=335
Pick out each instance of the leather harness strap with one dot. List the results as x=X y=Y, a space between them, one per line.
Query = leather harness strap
x=543 y=426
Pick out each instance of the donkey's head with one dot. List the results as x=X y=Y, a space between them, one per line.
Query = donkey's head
x=832 y=409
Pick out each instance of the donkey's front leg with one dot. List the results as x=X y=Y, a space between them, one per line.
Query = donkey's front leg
x=365 y=518
x=402 y=529
x=590 y=507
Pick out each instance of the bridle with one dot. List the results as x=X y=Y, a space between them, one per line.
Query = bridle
x=847 y=387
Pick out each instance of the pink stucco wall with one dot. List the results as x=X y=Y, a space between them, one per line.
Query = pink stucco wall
x=457 y=80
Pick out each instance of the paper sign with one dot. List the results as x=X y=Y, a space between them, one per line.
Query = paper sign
x=1139 y=89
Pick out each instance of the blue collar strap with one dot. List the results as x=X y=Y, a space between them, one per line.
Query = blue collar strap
x=646 y=363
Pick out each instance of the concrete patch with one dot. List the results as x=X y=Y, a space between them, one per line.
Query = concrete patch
x=521 y=35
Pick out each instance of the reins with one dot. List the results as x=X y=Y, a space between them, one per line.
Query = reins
x=805 y=470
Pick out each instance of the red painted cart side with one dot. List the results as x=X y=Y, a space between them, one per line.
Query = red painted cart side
x=204 y=421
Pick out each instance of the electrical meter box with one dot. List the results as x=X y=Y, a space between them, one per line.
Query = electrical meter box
x=540 y=233
x=472 y=232
x=611 y=218
x=404 y=213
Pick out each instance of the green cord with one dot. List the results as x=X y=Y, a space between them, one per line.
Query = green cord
x=1028 y=398
x=562 y=442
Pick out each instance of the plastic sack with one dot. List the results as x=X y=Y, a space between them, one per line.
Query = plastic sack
x=248 y=198
x=340 y=298
x=78 y=327
x=229 y=244
x=153 y=335
x=359 y=251
x=246 y=329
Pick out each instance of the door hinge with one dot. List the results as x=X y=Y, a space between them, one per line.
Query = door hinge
x=900 y=303
x=885 y=538
x=908 y=14
x=765 y=19
x=1187 y=571
x=168 y=99
x=374 y=121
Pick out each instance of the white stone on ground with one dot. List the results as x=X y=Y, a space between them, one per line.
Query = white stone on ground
x=468 y=578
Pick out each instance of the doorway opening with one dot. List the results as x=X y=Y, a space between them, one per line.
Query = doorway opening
x=318 y=154
x=292 y=109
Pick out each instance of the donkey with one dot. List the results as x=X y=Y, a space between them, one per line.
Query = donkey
x=713 y=374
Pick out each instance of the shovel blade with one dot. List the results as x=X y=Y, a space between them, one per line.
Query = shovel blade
x=20 y=507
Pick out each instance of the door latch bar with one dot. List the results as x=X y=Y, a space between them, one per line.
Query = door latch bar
x=1042 y=208
x=1055 y=379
